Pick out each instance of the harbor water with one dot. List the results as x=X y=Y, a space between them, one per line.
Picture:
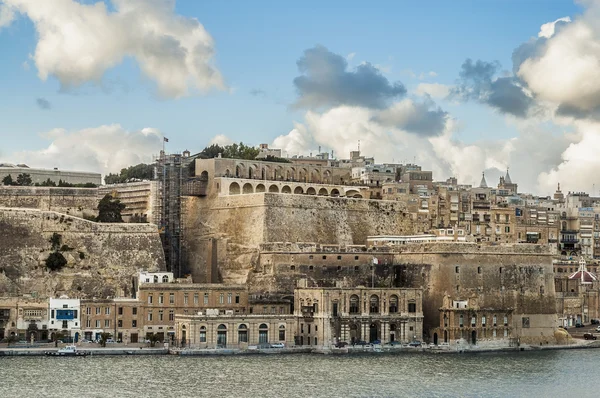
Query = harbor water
x=515 y=374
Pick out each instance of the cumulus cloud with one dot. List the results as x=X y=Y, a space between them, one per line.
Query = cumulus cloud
x=423 y=118
x=326 y=82
x=77 y=43
x=434 y=90
x=102 y=149
x=221 y=139
x=478 y=83
x=7 y=15
x=43 y=103
x=563 y=66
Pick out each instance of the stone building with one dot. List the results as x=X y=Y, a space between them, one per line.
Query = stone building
x=24 y=318
x=121 y=317
x=208 y=329
x=577 y=292
x=140 y=199
x=465 y=319
x=42 y=175
x=329 y=315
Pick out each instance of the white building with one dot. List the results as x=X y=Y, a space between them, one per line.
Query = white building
x=64 y=316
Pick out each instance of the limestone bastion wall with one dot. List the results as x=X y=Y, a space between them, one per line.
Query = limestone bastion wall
x=101 y=258
x=78 y=202
x=514 y=278
x=240 y=223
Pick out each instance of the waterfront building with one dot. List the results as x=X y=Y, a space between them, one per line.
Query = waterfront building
x=210 y=329
x=327 y=315
x=55 y=175
x=121 y=317
x=64 y=317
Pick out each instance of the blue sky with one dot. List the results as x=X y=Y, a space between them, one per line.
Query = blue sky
x=257 y=45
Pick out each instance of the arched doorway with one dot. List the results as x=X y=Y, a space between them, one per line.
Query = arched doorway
x=392 y=332
x=435 y=339
x=222 y=336
x=76 y=337
x=473 y=337
x=183 y=336
x=263 y=333
x=373 y=333
x=354 y=336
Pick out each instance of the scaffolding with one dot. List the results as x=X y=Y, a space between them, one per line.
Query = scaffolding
x=171 y=171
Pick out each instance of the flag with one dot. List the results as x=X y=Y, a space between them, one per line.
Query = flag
x=165 y=139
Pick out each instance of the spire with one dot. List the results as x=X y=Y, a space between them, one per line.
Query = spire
x=507 y=178
x=483 y=183
x=558 y=189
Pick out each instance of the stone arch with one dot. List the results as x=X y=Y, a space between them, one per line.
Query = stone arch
x=298 y=190
x=238 y=171
x=311 y=191
x=227 y=173
x=323 y=192
x=315 y=176
x=274 y=189
x=335 y=192
x=260 y=188
x=250 y=172
x=248 y=188
x=204 y=176
x=374 y=304
x=286 y=189
x=353 y=193
x=327 y=177
x=302 y=175
x=263 y=174
x=234 y=188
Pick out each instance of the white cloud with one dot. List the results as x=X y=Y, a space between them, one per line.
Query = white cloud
x=79 y=42
x=350 y=56
x=566 y=69
x=7 y=15
x=221 y=140
x=435 y=90
x=547 y=29
x=102 y=149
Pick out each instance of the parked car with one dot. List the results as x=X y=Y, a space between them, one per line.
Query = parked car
x=393 y=343
x=361 y=342
x=277 y=345
x=341 y=344
x=414 y=344
x=595 y=321
x=589 y=336
x=597 y=328
x=377 y=342
x=579 y=325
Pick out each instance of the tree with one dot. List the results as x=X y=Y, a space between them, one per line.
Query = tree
x=140 y=171
x=154 y=338
x=56 y=261
x=233 y=151
x=8 y=180
x=47 y=183
x=109 y=210
x=103 y=338
x=211 y=151
x=24 y=179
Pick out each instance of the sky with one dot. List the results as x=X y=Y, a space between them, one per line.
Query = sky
x=460 y=87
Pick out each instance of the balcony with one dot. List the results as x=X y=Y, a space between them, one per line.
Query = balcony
x=481 y=204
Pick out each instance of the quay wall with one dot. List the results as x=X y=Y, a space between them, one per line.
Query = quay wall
x=78 y=202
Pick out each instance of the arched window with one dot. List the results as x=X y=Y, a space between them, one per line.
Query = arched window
x=461 y=321
x=374 y=304
x=165 y=279
x=203 y=334
x=263 y=333
x=155 y=278
x=282 y=333
x=354 y=305
x=242 y=333
x=222 y=327
x=393 y=304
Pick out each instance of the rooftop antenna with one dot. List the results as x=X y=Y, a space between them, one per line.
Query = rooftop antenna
x=319 y=148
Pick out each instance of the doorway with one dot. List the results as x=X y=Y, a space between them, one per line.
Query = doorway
x=373 y=332
x=473 y=337
x=435 y=339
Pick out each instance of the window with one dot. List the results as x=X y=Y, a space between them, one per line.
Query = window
x=354 y=304
x=97 y=324
x=265 y=311
x=281 y=333
x=507 y=229
x=134 y=323
x=120 y=310
x=237 y=298
x=456 y=269
x=160 y=315
x=171 y=298
x=505 y=332
x=374 y=304
x=65 y=324
x=150 y=315
x=98 y=310
x=460 y=321
x=324 y=257
x=107 y=310
x=196 y=298
x=120 y=323
x=309 y=328
x=229 y=296
x=494 y=333
x=149 y=299
x=339 y=257
x=355 y=257
x=88 y=323
x=483 y=321
x=310 y=257
x=479 y=270
x=134 y=311
x=205 y=298
x=165 y=279
x=203 y=334
x=273 y=310
x=221 y=298
x=242 y=334
x=52 y=314
x=107 y=323
x=473 y=321
x=263 y=333
x=494 y=320
x=88 y=310
x=412 y=307
x=161 y=299
x=171 y=315
x=506 y=321
x=301 y=328
x=185 y=299
x=292 y=267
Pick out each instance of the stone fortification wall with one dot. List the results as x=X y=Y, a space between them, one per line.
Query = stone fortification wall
x=78 y=202
x=242 y=222
x=102 y=258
